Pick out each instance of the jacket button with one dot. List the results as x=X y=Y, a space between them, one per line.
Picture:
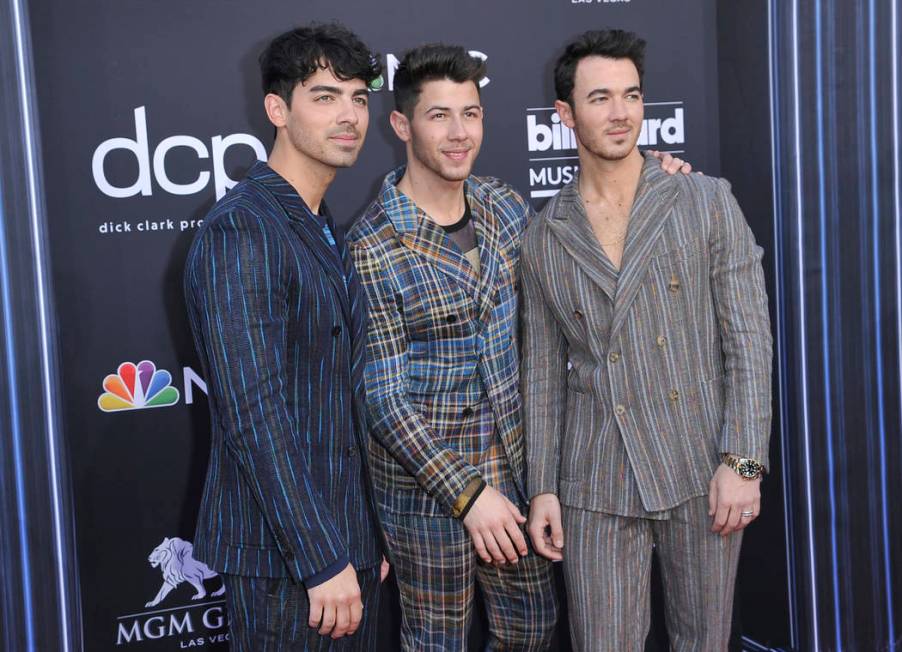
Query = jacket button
x=497 y=297
x=336 y=331
x=614 y=356
x=467 y=411
x=674 y=284
x=661 y=340
x=451 y=319
x=674 y=395
x=620 y=410
x=352 y=450
x=577 y=314
x=288 y=555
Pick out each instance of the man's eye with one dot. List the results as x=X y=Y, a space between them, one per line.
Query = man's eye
x=438 y=116
x=324 y=98
x=362 y=101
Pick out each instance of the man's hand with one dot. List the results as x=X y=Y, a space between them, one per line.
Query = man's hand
x=729 y=496
x=383 y=570
x=494 y=525
x=544 y=526
x=671 y=164
x=335 y=605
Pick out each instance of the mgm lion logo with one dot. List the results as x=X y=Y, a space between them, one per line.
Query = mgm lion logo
x=177 y=563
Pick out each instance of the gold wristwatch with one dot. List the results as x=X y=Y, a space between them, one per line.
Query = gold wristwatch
x=746 y=467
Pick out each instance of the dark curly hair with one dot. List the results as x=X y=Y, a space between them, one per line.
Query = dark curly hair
x=294 y=56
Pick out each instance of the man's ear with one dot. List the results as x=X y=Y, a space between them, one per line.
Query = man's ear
x=276 y=109
x=401 y=125
x=565 y=111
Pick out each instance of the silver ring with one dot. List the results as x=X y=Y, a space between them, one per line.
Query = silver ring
x=747 y=514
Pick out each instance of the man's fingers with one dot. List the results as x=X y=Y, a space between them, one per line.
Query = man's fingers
x=328 y=619
x=518 y=516
x=732 y=521
x=686 y=168
x=712 y=498
x=557 y=531
x=481 y=550
x=502 y=537
x=720 y=518
x=492 y=546
x=517 y=538
x=342 y=621
x=356 y=615
x=316 y=614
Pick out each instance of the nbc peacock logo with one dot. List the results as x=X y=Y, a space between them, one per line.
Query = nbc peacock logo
x=136 y=387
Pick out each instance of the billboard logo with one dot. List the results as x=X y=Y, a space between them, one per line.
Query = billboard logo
x=198 y=624
x=136 y=387
x=553 y=160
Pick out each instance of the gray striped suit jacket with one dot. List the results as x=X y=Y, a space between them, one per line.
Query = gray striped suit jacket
x=669 y=359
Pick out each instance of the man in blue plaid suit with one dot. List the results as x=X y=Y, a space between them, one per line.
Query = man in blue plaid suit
x=437 y=252
x=279 y=321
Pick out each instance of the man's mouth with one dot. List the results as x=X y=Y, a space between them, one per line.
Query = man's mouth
x=346 y=138
x=456 y=154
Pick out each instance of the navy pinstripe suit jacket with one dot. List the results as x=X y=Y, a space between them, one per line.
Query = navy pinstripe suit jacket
x=279 y=322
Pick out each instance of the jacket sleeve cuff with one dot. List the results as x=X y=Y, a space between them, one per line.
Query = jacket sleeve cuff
x=327 y=573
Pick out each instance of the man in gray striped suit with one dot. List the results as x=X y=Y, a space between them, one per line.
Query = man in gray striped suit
x=645 y=373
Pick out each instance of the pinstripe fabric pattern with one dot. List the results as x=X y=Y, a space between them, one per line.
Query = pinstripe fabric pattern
x=273 y=615
x=607 y=565
x=670 y=360
x=437 y=572
x=281 y=341
x=442 y=368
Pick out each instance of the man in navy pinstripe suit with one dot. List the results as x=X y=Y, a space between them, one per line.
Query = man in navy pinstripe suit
x=279 y=321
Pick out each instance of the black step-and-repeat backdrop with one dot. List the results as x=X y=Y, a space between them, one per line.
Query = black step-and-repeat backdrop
x=152 y=111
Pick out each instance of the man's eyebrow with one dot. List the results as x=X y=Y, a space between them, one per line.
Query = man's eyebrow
x=322 y=88
x=473 y=106
x=607 y=91
x=361 y=91
x=438 y=108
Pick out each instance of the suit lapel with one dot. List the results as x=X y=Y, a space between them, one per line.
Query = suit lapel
x=567 y=220
x=308 y=228
x=487 y=237
x=422 y=236
x=651 y=209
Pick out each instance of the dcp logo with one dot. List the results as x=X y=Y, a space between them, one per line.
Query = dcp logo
x=140 y=148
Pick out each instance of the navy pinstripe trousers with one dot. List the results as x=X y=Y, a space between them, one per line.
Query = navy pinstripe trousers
x=270 y=615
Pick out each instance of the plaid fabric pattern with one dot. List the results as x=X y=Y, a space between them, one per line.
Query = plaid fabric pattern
x=438 y=570
x=442 y=366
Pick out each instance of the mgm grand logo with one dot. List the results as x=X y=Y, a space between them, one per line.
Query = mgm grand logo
x=202 y=621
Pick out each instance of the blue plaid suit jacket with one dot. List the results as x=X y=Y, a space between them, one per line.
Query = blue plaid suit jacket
x=279 y=322
x=442 y=364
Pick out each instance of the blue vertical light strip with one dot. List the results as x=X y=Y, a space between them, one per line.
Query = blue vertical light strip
x=897 y=186
x=878 y=329
x=49 y=402
x=21 y=506
x=776 y=172
x=803 y=328
x=825 y=316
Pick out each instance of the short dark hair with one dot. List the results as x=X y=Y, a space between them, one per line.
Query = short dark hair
x=294 y=56
x=432 y=62
x=608 y=43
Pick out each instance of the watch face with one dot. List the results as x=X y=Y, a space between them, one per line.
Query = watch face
x=748 y=468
